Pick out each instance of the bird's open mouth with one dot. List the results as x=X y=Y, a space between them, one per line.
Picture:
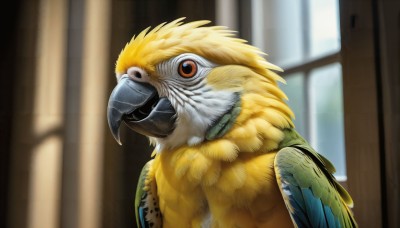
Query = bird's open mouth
x=143 y=111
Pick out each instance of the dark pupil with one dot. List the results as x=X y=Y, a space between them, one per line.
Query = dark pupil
x=187 y=68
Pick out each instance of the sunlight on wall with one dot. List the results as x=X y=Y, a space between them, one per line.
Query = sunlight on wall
x=45 y=183
x=93 y=107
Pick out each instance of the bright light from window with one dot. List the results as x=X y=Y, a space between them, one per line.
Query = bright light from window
x=326 y=115
x=324 y=27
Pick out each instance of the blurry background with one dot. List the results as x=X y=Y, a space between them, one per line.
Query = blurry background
x=60 y=167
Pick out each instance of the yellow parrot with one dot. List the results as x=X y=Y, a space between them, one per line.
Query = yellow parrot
x=226 y=150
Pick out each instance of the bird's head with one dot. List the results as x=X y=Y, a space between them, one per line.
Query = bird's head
x=184 y=83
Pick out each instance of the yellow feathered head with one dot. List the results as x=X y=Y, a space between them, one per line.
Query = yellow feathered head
x=184 y=83
x=214 y=43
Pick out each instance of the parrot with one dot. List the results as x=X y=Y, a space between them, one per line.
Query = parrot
x=226 y=151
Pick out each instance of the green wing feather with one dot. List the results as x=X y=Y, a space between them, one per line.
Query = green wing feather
x=312 y=195
x=146 y=202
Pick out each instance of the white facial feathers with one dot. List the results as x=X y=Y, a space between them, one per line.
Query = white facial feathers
x=197 y=104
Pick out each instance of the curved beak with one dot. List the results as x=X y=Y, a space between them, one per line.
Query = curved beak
x=140 y=107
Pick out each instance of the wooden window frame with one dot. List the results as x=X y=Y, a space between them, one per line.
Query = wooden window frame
x=364 y=113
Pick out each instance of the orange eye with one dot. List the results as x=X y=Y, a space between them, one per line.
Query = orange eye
x=187 y=68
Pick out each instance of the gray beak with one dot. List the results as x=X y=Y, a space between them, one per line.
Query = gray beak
x=140 y=107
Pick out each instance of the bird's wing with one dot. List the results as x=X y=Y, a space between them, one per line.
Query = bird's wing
x=146 y=201
x=311 y=194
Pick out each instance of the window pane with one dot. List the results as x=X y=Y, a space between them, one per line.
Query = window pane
x=324 y=27
x=294 y=89
x=326 y=115
x=277 y=29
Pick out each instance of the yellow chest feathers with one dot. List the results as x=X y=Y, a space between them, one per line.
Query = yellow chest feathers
x=194 y=189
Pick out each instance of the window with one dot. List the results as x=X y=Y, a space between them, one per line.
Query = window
x=303 y=38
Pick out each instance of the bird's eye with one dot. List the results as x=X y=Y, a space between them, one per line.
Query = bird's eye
x=187 y=68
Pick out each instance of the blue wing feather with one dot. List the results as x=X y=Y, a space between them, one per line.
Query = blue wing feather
x=298 y=204
x=142 y=217
x=314 y=208
x=330 y=218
